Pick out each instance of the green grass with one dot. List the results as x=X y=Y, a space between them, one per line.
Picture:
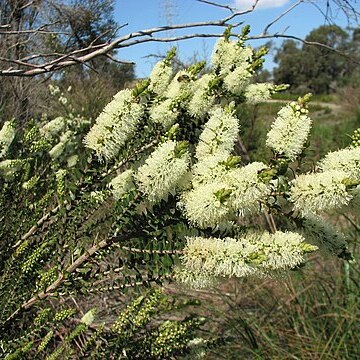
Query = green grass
x=328 y=98
x=312 y=314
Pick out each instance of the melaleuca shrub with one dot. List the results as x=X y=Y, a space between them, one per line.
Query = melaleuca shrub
x=156 y=188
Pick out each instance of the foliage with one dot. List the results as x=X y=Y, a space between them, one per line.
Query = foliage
x=316 y=68
x=156 y=189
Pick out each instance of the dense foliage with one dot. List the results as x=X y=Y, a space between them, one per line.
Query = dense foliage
x=319 y=69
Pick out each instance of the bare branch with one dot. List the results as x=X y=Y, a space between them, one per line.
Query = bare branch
x=122 y=62
x=94 y=51
x=292 y=7
x=39 y=30
x=218 y=5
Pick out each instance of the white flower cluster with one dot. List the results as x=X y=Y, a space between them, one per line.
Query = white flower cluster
x=252 y=254
x=210 y=168
x=201 y=100
x=229 y=55
x=289 y=131
x=163 y=171
x=283 y=250
x=7 y=134
x=53 y=127
x=59 y=148
x=257 y=93
x=180 y=86
x=237 y=80
x=164 y=113
x=115 y=125
x=205 y=207
x=219 y=257
x=219 y=134
x=220 y=190
x=248 y=190
x=347 y=160
x=233 y=60
x=313 y=193
x=98 y=197
x=220 y=194
x=160 y=77
x=196 y=280
x=9 y=167
x=72 y=160
x=325 y=235
x=122 y=184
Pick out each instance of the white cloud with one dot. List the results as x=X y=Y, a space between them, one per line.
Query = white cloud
x=262 y=4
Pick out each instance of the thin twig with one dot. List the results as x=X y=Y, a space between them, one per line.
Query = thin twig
x=37 y=225
x=292 y=7
x=218 y=5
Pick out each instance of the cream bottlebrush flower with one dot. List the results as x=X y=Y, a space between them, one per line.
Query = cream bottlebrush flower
x=207 y=205
x=164 y=113
x=122 y=184
x=59 y=148
x=219 y=134
x=201 y=100
x=283 y=250
x=99 y=196
x=115 y=125
x=219 y=257
x=7 y=134
x=160 y=77
x=257 y=93
x=289 y=131
x=163 y=171
x=210 y=168
x=195 y=280
x=53 y=127
x=248 y=190
x=251 y=254
x=236 y=81
x=325 y=235
x=347 y=160
x=230 y=54
x=72 y=160
x=180 y=86
x=10 y=167
x=313 y=193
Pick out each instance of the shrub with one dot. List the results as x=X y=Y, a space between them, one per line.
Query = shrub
x=155 y=190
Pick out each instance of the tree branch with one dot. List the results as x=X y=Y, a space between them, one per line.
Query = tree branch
x=134 y=38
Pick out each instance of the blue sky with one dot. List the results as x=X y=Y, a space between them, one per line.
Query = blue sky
x=144 y=14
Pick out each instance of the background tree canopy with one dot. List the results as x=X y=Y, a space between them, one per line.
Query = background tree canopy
x=314 y=68
x=68 y=27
